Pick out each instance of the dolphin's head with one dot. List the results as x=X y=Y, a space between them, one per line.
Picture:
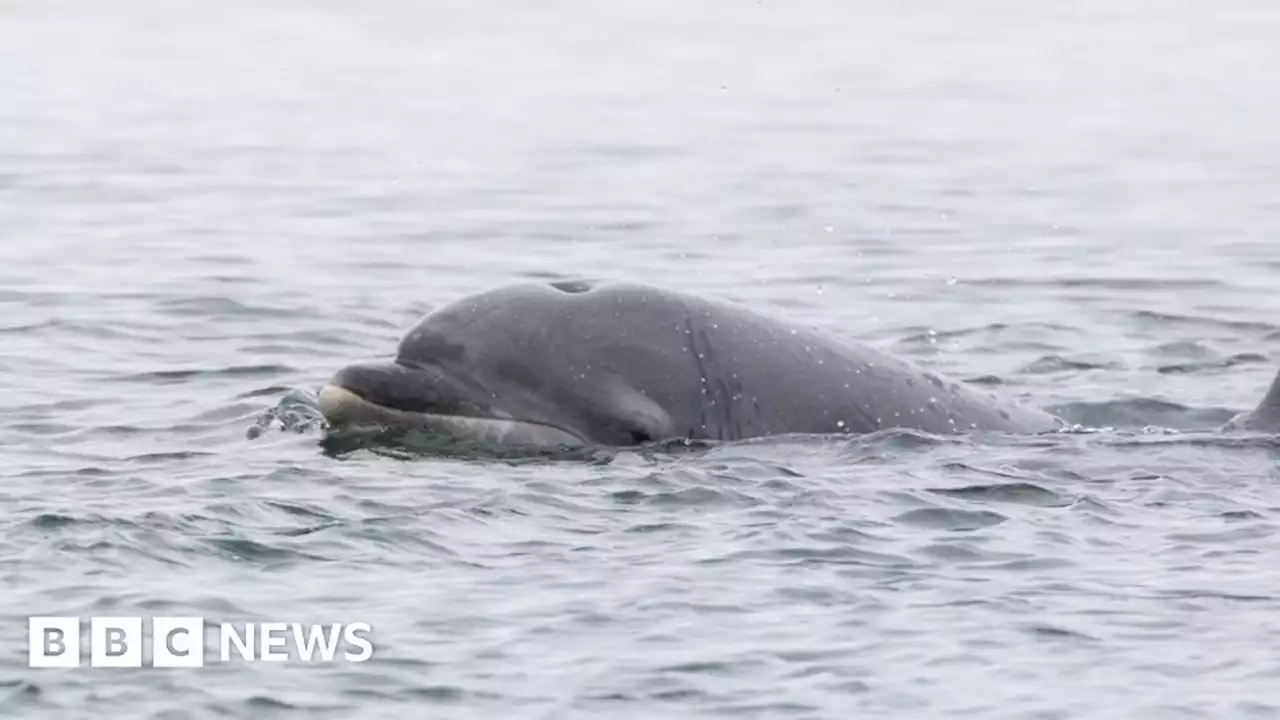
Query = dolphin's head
x=528 y=365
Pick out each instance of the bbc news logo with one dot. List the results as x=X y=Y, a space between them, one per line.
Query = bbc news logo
x=181 y=642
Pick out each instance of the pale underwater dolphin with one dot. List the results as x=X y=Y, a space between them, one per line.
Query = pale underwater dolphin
x=579 y=364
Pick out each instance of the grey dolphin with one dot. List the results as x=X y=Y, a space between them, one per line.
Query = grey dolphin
x=577 y=363
x=1265 y=417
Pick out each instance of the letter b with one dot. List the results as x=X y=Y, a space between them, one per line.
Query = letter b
x=116 y=645
x=115 y=642
x=53 y=641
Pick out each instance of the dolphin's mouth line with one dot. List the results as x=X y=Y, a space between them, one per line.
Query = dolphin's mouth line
x=342 y=407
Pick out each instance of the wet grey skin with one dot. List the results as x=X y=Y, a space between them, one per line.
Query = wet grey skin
x=1265 y=418
x=577 y=363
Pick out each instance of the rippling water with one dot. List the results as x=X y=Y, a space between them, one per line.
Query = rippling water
x=207 y=208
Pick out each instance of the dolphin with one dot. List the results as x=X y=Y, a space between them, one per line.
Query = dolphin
x=1265 y=418
x=580 y=363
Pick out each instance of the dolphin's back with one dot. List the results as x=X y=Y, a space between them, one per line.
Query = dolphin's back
x=756 y=375
x=1265 y=417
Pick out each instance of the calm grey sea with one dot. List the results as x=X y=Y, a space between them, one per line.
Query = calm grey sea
x=207 y=208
